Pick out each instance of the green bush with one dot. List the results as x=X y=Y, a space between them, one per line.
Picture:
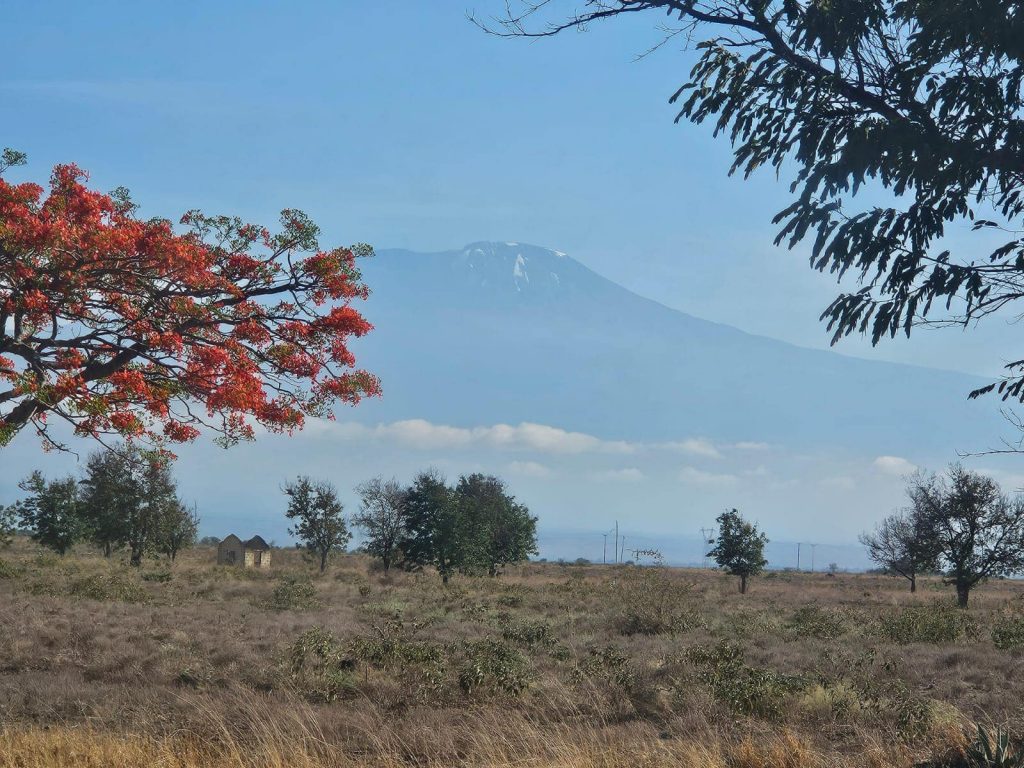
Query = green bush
x=319 y=667
x=8 y=570
x=1008 y=632
x=294 y=593
x=493 y=665
x=817 y=622
x=745 y=690
x=528 y=633
x=935 y=623
x=158 y=577
x=112 y=586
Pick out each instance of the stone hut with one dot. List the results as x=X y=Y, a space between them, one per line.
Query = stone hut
x=254 y=553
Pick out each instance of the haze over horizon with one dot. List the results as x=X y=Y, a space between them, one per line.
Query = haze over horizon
x=511 y=143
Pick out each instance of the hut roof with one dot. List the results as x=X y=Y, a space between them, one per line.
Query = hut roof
x=230 y=539
x=256 y=542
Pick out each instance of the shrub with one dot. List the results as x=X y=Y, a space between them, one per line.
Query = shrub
x=744 y=689
x=113 y=586
x=8 y=570
x=159 y=577
x=935 y=623
x=529 y=633
x=655 y=604
x=1008 y=632
x=813 y=621
x=493 y=665
x=319 y=667
x=294 y=593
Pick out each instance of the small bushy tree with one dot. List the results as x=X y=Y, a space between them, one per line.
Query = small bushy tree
x=51 y=511
x=179 y=526
x=318 y=515
x=901 y=544
x=384 y=518
x=977 y=530
x=739 y=548
x=434 y=532
x=111 y=491
x=498 y=530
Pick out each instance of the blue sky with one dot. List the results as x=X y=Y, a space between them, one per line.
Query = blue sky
x=403 y=125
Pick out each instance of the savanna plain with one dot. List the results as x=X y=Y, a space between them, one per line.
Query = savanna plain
x=196 y=665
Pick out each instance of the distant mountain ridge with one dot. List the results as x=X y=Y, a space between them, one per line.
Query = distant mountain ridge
x=509 y=332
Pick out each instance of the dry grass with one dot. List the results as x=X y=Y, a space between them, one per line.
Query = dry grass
x=549 y=665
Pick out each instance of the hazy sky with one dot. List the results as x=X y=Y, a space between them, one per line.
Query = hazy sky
x=403 y=125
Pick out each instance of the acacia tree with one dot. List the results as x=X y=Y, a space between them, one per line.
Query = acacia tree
x=739 y=547
x=978 y=531
x=902 y=544
x=921 y=101
x=318 y=515
x=123 y=326
x=383 y=515
x=51 y=512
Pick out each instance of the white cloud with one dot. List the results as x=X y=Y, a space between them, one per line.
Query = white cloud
x=840 y=482
x=420 y=433
x=694 y=476
x=746 y=445
x=894 y=465
x=624 y=475
x=695 y=446
x=528 y=469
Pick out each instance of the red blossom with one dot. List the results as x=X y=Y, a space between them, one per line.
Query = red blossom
x=122 y=326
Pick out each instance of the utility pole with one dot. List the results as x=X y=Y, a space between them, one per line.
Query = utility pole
x=623 y=547
x=604 y=551
x=705 y=540
x=812 y=557
x=616 y=542
x=798 y=557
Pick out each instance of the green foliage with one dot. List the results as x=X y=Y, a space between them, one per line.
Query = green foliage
x=383 y=518
x=294 y=593
x=52 y=511
x=434 y=534
x=320 y=667
x=744 y=689
x=110 y=586
x=9 y=570
x=817 y=622
x=655 y=603
x=160 y=576
x=993 y=750
x=934 y=623
x=739 y=548
x=495 y=666
x=529 y=633
x=496 y=529
x=1008 y=631
x=319 y=524
x=607 y=663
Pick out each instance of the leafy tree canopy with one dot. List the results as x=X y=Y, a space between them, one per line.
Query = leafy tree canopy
x=120 y=326
x=739 y=547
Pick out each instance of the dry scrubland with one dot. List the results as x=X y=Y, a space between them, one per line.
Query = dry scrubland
x=546 y=666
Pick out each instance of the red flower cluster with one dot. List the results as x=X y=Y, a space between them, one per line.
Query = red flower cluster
x=123 y=326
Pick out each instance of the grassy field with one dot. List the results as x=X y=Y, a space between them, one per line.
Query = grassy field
x=548 y=665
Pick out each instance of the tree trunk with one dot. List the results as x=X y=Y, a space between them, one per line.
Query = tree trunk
x=136 y=559
x=323 y=561
x=963 y=592
x=913 y=584
x=444 y=577
x=107 y=549
x=743 y=585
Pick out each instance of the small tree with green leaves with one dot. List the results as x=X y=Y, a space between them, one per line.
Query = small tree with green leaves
x=111 y=492
x=497 y=530
x=51 y=512
x=739 y=547
x=318 y=515
x=434 y=531
x=8 y=519
x=383 y=517
x=977 y=530
x=178 y=529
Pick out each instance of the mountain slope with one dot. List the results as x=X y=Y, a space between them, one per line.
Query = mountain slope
x=503 y=332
